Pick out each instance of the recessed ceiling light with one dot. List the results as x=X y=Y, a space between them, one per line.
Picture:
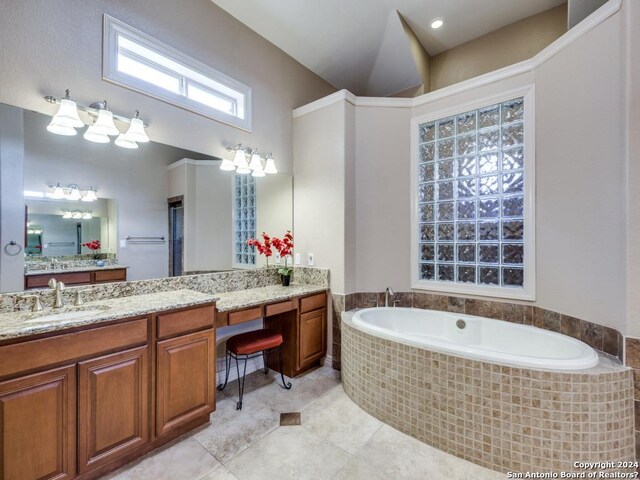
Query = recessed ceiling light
x=437 y=23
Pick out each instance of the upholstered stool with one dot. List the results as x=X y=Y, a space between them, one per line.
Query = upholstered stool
x=245 y=346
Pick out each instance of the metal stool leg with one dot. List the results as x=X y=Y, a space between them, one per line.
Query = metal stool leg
x=227 y=361
x=264 y=359
x=285 y=384
x=241 y=382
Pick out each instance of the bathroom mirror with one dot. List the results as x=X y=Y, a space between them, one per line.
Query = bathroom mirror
x=160 y=210
x=56 y=228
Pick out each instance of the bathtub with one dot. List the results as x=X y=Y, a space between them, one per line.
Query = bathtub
x=509 y=397
x=479 y=338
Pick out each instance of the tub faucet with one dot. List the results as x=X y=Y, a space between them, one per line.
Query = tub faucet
x=57 y=287
x=388 y=293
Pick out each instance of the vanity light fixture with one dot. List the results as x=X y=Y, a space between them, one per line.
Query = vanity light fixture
x=270 y=167
x=72 y=192
x=87 y=216
x=255 y=167
x=77 y=215
x=67 y=215
x=89 y=195
x=66 y=120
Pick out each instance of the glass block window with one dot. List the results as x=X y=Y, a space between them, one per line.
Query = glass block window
x=244 y=218
x=471 y=199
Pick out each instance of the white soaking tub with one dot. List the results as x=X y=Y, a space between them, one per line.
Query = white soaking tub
x=478 y=338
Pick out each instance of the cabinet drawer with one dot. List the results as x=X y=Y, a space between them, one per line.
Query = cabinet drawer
x=245 y=315
x=20 y=357
x=183 y=321
x=313 y=302
x=118 y=275
x=74 y=278
x=281 y=307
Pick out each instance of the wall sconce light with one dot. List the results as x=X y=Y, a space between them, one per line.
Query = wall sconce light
x=72 y=192
x=66 y=120
x=255 y=167
x=77 y=215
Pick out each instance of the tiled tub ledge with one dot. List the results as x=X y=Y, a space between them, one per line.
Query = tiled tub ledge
x=600 y=337
x=500 y=417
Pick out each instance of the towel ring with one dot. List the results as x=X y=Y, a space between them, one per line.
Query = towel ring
x=10 y=248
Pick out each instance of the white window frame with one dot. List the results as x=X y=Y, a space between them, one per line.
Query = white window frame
x=114 y=28
x=528 y=291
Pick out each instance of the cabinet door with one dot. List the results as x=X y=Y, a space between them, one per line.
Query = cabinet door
x=37 y=426
x=113 y=407
x=312 y=336
x=185 y=380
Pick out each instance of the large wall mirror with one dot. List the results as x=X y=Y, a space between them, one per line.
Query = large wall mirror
x=159 y=210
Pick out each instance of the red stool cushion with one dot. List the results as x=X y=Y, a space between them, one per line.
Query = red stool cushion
x=255 y=341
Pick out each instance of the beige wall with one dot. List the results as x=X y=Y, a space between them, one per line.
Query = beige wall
x=57 y=44
x=580 y=180
x=505 y=46
x=632 y=10
x=11 y=199
x=274 y=208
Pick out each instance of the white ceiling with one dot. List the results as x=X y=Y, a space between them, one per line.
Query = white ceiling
x=350 y=42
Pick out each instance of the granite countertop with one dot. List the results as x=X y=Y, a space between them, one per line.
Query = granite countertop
x=21 y=324
x=257 y=296
x=72 y=270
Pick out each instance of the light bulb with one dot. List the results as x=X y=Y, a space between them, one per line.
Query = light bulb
x=136 y=132
x=67 y=215
x=96 y=136
x=58 y=192
x=61 y=129
x=67 y=115
x=76 y=215
x=87 y=216
x=240 y=159
x=227 y=165
x=124 y=141
x=437 y=23
x=104 y=123
x=90 y=196
x=258 y=173
x=256 y=162
x=74 y=193
x=243 y=170
x=270 y=167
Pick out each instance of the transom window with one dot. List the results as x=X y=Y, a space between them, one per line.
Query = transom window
x=244 y=218
x=142 y=63
x=472 y=205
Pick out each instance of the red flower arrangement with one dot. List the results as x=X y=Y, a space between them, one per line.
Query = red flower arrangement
x=264 y=248
x=283 y=245
x=93 y=245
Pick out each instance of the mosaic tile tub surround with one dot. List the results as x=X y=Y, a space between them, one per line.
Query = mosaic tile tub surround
x=500 y=417
x=600 y=337
x=206 y=283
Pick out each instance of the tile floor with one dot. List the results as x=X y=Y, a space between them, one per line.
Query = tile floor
x=336 y=440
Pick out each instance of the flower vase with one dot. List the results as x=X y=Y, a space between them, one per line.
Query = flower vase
x=286 y=280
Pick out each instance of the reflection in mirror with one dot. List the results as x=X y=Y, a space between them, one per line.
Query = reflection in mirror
x=134 y=190
x=63 y=228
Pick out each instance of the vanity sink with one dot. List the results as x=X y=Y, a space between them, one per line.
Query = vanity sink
x=72 y=314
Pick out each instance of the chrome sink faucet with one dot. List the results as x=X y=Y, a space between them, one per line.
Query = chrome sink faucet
x=57 y=287
x=388 y=293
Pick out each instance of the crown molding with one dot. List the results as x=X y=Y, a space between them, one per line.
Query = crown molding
x=191 y=161
x=596 y=18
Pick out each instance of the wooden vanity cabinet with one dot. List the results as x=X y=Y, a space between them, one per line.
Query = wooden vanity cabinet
x=302 y=322
x=83 y=403
x=313 y=330
x=185 y=370
x=71 y=278
x=113 y=407
x=38 y=426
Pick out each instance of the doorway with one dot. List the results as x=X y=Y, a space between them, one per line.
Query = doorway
x=176 y=236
